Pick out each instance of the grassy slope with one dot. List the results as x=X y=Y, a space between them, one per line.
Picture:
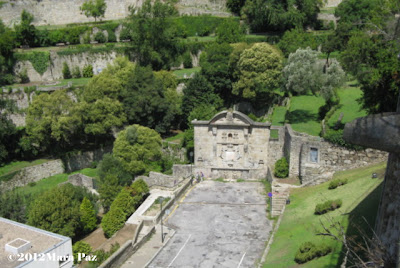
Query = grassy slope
x=349 y=106
x=53 y=181
x=303 y=114
x=188 y=72
x=299 y=224
x=8 y=171
x=278 y=117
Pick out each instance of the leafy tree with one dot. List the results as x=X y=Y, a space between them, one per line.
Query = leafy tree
x=199 y=91
x=137 y=147
x=113 y=221
x=272 y=15
x=25 y=31
x=66 y=72
x=259 y=70
x=153 y=34
x=94 y=8
x=281 y=168
x=144 y=100
x=87 y=216
x=108 y=190
x=57 y=210
x=7 y=38
x=80 y=247
x=235 y=5
x=304 y=73
x=52 y=119
x=87 y=71
x=8 y=131
x=14 y=206
x=111 y=165
x=295 y=39
x=215 y=67
x=229 y=31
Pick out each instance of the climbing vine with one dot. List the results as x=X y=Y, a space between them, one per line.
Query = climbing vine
x=40 y=60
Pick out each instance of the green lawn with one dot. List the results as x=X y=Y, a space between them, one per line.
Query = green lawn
x=9 y=170
x=360 y=197
x=278 y=117
x=303 y=114
x=177 y=138
x=188 y=72
x=53 y=181
x=349 y=106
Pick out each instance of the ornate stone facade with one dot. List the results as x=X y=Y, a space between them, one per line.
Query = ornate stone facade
x=231 y=146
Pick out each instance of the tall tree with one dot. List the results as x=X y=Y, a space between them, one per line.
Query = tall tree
x=94 y=8
x=153 y=35
x=7 y=38
x=25 y=31
x=259 y=72
x=87 y=216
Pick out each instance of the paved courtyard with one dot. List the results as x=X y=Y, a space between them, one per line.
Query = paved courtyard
x=218 y=225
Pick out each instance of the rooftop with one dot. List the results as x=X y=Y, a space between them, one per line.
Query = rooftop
x=16 y=235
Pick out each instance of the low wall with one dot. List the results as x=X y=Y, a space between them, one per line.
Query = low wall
x=161 y=180
x=182 y=171
x=33 y=174
x=124 y=252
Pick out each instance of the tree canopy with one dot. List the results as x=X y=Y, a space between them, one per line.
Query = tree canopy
x=94 y=8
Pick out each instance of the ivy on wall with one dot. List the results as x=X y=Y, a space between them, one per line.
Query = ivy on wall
x=40 y=60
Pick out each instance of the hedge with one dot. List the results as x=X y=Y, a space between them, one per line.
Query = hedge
x=198 y=25
x=327 y=206
x=309 y=251
x=336 y=183
x=281 y=168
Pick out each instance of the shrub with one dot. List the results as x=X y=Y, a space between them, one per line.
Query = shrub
x=187 y=60
x=32 y=183
x=23 y=76
x=76 y=73
x=308 y=251
x=80 y=247
x=65 y=71
x=327 y=206
x=40 y=59
x=336 y=137
x=336 y=183
x=125 y=34
x=87 y=71
x=111 y=36
x=113 y=221
x=100 y=37
x=281 y=168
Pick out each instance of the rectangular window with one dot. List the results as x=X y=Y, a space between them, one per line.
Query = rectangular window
x=314 y=155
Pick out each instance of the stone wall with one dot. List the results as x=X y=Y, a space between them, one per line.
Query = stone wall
x=85 y=159
x=182 y=171
x=276 y=146
x=81 y=180
x=159 y=179
x=99 y=61
x=331 y=158
x=34 y=174
x=53 y=12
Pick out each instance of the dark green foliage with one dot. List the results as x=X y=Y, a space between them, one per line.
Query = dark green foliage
x=153 y=35
x=100 y=37
x=23 y=76
x=215 y=68
x=308 y=251
x=199 y=91
x=336 y=183
x=187 y=60
x=125 y=34
x=14 y=206
x=8 y=133
x=113 y=166
x=127 y=200
x=76 y=73
x=270 y=15
x=87 y=71
x=57 y=210
x=108 y=190
x=7 y=38
x=229 y=31
x=111 y=36
x=199 y=25
x=327 y=206
x=336 y=137
x=297 y=38
x=65 y=71
x=144 y=100
x=80 y=247
x=281 y=168
x=87 y=216
x=40 y=60
x=235 y=5
x=25 y=32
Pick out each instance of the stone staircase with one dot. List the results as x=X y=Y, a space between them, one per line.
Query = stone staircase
x=279 y=197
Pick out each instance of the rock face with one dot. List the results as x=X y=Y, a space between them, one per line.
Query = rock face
x=54 y=12
x=99 y=61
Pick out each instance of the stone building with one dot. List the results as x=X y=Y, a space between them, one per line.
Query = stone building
x=232 y=146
